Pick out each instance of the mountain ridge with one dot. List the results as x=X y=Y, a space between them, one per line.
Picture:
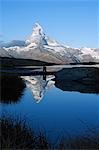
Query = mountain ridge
x=40 y=47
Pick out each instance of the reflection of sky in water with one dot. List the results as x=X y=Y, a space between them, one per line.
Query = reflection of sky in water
x=58 y=112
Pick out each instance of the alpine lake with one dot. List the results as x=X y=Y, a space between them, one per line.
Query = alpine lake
x=59 y=100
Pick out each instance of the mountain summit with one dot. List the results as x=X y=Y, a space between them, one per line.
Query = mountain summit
x=40 y=47
x=37 y=30
x=37 y=36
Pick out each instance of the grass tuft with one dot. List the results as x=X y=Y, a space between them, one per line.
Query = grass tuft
x=16 y=135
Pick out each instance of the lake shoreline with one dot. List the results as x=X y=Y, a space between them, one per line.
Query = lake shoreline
x=12 y=62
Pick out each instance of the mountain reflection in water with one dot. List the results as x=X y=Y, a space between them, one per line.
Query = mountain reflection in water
x=84 y=80
x=38 y=85
x=59 y=113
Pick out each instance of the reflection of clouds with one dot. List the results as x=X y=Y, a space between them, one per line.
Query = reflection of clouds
x=38 y=86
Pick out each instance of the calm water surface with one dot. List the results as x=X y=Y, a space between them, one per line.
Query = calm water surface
x=50 y=101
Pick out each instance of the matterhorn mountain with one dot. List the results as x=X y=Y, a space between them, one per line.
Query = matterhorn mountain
x=37 y=37
x=40 y=47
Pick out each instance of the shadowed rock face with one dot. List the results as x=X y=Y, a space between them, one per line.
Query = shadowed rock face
x=84 y=80
x=11 y=88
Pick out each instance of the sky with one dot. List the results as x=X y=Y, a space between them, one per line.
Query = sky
x=71 y=22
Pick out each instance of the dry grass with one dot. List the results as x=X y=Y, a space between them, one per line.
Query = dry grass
x=16 y=135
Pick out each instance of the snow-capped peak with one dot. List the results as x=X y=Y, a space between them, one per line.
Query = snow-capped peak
x=40 y=47
x=37 y=30
x=37 y=37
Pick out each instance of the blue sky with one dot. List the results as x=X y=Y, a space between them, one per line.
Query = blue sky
x=71 y=22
